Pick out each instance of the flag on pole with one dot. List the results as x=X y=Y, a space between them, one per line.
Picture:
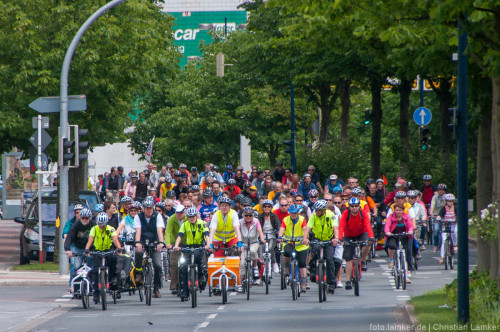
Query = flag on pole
x=149 y=151
x=383 y=177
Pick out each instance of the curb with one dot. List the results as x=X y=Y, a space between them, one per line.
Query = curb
x=409 y=315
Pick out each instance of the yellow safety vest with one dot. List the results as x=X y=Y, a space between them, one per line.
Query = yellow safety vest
x=103 y=239
x=322 y=227
x=225 y=230
x=407 y=207
x=295 y=232
x=194 y=232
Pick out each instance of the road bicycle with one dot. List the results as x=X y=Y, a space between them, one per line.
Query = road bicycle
x=293 y=277
x=400 y=269
x=103 y=275
x=192 y=272
x=449 y=246
x=356 y=263
x=321 y=268
x=266 y=257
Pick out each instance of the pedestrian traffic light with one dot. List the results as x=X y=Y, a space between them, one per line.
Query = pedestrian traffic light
x=425 y=138
x=367 y=118
x=81 y=146
x=68 y=155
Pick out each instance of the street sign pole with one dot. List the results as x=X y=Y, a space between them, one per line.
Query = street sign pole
x=39 y=182
x=63 y=118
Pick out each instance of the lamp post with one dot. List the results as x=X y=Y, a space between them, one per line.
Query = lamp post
x=245 y=149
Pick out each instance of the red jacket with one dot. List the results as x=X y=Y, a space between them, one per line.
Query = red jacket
x=355 y=226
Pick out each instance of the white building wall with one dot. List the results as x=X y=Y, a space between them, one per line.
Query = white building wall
x=117 y=154
x=200 y=5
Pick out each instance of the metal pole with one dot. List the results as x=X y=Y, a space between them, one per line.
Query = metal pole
x=63 y=117
x=462 y=224
x=421 y=90
x=39 y=187
x=292 y=126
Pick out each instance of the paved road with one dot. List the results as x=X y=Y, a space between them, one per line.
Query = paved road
x=379 y=304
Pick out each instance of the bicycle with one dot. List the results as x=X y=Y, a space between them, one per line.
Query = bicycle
x=320 y=269
x=193 y=282
x=148 y=269
x=266 y=256
x=356 y=263
x=222 y=275
x=449 y=246
x=165 y=259
x=81 y=284
x=399 y=269
x=103 y=273
x=248 y=281
x=373 y=246
x=293 y=277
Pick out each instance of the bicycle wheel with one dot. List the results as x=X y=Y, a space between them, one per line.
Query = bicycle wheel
x=446 y=253
x=141 y=294
x=451 y=253
x=321 y=282
x=293 y=283
x=356 y=279
x=148 y=280
x=373 y=250
x=223 y=288
x=113 y=296
x=102 y=289
x=248 y=276
x=282 y=274
x=192 y=287
x=402 y=264
x=85 y=294
x=266 y=275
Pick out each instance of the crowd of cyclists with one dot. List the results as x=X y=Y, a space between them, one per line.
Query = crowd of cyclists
x=177 y=208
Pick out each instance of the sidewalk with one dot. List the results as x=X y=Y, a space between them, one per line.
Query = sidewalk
x=32 y=278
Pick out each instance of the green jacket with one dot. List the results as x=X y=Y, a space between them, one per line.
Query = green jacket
x=172 y=230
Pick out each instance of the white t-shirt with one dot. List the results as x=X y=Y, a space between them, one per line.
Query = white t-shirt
x=159 y=221
x=234 y=216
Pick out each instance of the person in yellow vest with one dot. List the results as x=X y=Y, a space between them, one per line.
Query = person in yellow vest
x=325 y=227
x=102 y=237
x=196 y=234
x=166 y=186
x=125 y=203
x=224 y=227
x=292 y=229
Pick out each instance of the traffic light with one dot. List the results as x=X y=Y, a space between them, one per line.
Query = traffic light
x=81 y=146
x=367 y=118
x=289 y=143
x=68 y=155
x=425 y=138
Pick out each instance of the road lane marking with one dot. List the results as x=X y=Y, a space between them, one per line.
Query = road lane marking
x=233 y=293
x=62 y=300
x=67 y=295
x=212 y=316
x=221 y=307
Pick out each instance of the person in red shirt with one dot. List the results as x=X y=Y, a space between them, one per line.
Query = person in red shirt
x=232 y=188
x=282 y=211
x=354 y=225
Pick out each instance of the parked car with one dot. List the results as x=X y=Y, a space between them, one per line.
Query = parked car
x=91 y=197
x=29 y=235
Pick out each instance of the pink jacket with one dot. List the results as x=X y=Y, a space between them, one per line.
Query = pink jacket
x=391 y=222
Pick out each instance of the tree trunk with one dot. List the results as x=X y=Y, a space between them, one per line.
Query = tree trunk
x=273 y=154
x=376 y=90
x=495 y=109
x=345 y=101
x=445 y=100
x=484 y=177
x=404 y=134
x=326 y=102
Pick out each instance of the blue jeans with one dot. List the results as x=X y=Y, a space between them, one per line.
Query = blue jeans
x=436 y=228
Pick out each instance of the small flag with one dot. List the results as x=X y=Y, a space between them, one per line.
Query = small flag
x=149 y=151
x=385 y=180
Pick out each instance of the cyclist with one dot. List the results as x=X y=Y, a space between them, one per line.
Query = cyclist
x=399 y=222
x=113 y=184
x=313 y=196
x=102 y=237
x=232 y=188
x=224 y=227
x=142 y=186
x=324 y=225
x=76 y=240
x=166 y=186
x=228 y=174
x=332 y=184
x=354 y=225
x=399 y=197
x=174 y=223
x=125 y=204
x=292 y=229
x=259 y=182
x=110 y=210
x=149 y=226
x=71 y=221
x=418 y=215
x=448 y=213
x=254 y=196
x=195 y=177
x=251 y=231
x=306 y=185
x=283 y=210
x=437 y=203
x=270 y=224
x=131 y=186
x=126 y=231
x=216 y=190
x=427 y=190
x=196 y=235
x=208 y=207
x=276 y=192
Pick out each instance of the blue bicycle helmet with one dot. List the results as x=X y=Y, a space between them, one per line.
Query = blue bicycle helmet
x=148 y=202
x=294 y=209
x=99 y=208
x=224 y=199
x=354 y=201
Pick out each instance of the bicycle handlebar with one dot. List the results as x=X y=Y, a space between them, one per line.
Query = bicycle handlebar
x=190 y=250
x=401 y=235
x=321 y=243
x=357 y=243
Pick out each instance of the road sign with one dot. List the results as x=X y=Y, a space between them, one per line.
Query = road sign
x=45 y=122
x=34 y=161
x=53 y=104
x=46 y=139
x=422 y=116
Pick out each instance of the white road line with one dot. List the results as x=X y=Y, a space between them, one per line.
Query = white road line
x=221 y=307
x=62 y=300
x=121 y=314
x=204 y=324
x=428 y=272
x=67 y=295
x=212 y=316
x=380 y=260
x=233 y=293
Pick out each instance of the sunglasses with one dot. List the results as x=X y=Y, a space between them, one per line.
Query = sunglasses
x=328 y=200
x=85 y=218
x=354 y=206
x=298 y=201
x=267 y=206
x=248 y=215
x=127 y=203
x=283 y=204
x=337 y=202
x=158 y=210
x=345 y=199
